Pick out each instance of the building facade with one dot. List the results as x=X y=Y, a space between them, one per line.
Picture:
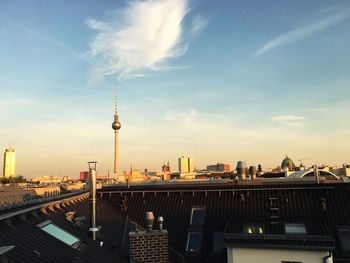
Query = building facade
x=219 y=167
x=9 y=163
x=186 y=165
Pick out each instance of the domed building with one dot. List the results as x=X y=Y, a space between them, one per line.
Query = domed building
x=288 y=163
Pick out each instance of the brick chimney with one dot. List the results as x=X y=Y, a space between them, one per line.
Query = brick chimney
x=150 y=245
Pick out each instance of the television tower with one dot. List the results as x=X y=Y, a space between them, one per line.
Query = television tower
x=116 y=127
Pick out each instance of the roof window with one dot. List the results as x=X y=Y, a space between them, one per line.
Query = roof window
x=291 y=228
x=53 y=230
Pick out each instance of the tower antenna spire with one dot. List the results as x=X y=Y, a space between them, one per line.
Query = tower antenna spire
x=116 y=99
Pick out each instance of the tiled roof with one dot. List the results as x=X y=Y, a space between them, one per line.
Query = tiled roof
x=321 y=207
x=34 y=245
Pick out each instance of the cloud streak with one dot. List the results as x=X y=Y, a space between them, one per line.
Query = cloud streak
x=302 y=32
x=141 y=36
x=43 y=38
x=290 y=120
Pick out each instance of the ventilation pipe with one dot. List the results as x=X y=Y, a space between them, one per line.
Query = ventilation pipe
x=160 y=221
x=242 y=170
x=252 y=172
x=92 y=176
x=149 y=219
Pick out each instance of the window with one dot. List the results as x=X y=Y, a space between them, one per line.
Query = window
x=295 y=229
x=194 y=241
x=197 y=216
x=59 y=233
x=217 y=242
x=253 y=229
x=344 y=237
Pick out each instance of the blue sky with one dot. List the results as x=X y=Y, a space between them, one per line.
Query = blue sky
x=239 y=80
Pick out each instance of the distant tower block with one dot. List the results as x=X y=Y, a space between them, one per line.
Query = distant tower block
x=9 y=162
x=116 y=127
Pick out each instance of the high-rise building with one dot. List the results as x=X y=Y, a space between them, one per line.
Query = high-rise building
x=219 y=167
x=84 y=175
x=9 y=162
x=185 y=165
x=116 y=127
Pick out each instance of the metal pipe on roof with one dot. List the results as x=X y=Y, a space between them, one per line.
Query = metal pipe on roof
x=160 y=221
x=93 y=228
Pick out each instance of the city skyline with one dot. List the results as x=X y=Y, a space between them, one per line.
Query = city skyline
x=236 y=81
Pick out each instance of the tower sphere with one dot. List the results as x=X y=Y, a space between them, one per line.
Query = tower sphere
x=116 y=125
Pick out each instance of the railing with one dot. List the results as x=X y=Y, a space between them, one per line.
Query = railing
x=40 y=201
x=230 y=190
x=278 y=237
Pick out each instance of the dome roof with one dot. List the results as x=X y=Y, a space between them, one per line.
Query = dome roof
x=287 y=163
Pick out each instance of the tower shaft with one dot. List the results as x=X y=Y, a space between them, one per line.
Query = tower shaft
x=116 y=127
x=116 y=154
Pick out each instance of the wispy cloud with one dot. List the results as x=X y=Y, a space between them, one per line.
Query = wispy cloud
x=303 y=32
x=143 y=35
x=43 y=38
x=198 y=24
x=186 y=118
x=290 y=120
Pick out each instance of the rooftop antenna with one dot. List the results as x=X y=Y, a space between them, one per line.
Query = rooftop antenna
x=116 y=100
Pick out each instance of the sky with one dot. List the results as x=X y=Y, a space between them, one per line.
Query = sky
x=220 y=81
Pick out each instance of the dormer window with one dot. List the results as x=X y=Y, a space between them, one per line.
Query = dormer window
x=197 y=216
x=344 y=237
x=194 y=241
x=292 y=228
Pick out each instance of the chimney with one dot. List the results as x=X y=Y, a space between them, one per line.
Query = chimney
x=150 y=245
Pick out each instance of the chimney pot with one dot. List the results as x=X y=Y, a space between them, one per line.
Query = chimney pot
x=149 y=219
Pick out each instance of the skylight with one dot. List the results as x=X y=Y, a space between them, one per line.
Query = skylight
x=295 y=228
x=59 y=233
